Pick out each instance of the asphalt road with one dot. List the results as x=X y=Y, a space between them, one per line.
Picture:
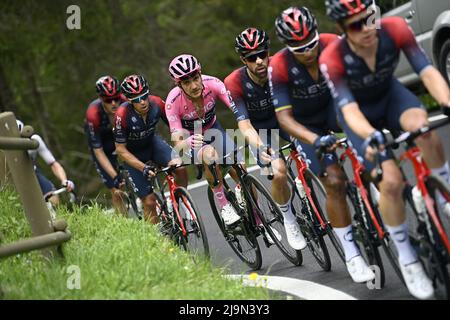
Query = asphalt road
x=275 y=264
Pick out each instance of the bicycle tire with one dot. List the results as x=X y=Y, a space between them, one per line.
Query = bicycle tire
x=194 y=226
x=131 y=198
x=241 y=242
x=437 y=264
x=272 y=218
x=364 y=236
x=316 y=244
x=329 y=229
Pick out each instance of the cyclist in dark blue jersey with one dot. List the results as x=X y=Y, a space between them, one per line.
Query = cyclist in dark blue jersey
x=137 y=142
x=304 y=109
x=255 y=114
x=98 y=127
x=360 y=69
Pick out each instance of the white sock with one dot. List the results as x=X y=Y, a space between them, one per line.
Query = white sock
x=288 y=215
x=443 y=172
x=399 y=234
x=345 y=235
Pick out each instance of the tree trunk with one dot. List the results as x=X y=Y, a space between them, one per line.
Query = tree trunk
x=7 y=101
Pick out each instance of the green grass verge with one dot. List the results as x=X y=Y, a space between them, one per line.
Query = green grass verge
x=118 y=258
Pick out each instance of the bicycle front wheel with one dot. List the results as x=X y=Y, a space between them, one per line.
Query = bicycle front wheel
x=272 y=218
x=195 y=236
x=242 y=238
x=319 y=196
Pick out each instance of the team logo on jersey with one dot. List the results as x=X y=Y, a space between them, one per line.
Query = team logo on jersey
x=249 y=85
x=133 y=118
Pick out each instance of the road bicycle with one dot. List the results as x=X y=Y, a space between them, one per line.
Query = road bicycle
x=308 y=204
x=427 y=232
x=260 y=216
x=178 y=213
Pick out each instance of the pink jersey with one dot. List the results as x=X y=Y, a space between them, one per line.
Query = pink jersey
x=181 y=113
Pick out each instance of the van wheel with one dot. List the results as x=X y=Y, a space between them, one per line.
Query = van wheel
x=444 y=60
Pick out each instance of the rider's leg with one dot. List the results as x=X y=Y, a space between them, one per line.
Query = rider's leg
x=117 y=201
x=149 y=203
x=282 y=195
x=430 y=144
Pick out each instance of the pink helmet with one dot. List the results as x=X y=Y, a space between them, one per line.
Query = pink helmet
x=183 y=67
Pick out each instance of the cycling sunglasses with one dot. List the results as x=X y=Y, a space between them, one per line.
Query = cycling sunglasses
x=138 y=99
x=306 y=47
x=262 y=55
x=111 y=99
x=359 y=24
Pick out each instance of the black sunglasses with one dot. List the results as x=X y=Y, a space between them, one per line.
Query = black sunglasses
x=262 y=55
x=358 y=25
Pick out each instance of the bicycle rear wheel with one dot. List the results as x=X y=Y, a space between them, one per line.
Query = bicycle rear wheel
x=272 y=218
x=364 y=234
x=434 y=248
x=242 y=238
x=195 y=238
x=310 y=228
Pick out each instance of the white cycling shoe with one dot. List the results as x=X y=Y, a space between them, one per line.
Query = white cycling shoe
x=359 y=270
x=417 y=282
x=269 y=238
x=294 y=236
x=229 y=215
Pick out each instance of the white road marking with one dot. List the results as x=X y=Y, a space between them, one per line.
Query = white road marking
x=301 y=288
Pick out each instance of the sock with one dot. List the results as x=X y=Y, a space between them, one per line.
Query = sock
x=220 y=196
x=406 y=253
x=257 y=218
x=443 y=172
x=345 y=235
x=287 y=212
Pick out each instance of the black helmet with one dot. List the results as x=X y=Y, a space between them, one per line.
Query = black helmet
x=295 y=24
x=134 y=85
x=251 y=39
x=107 y=86
x=339 y=10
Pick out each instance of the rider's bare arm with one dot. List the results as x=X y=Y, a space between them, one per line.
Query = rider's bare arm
x=292 y=127
x=128 y=157
x=356 y=120
x=104 y=162
x=436 y=85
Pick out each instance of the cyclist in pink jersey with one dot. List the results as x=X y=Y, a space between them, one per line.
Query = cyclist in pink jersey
x=191 y=112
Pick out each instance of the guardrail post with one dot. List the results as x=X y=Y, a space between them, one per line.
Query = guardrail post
x=22 y=172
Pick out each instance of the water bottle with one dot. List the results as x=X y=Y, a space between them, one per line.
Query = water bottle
x=300 y=188
x=239 y=197
x=139 y=205
x=169 y=204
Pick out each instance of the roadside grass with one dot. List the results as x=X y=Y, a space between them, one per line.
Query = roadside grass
x=117 y=258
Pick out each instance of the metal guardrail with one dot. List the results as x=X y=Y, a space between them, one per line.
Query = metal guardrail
x=47 y=235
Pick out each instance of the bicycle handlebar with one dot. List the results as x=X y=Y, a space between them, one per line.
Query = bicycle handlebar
x=406 y=137
x=72 y=194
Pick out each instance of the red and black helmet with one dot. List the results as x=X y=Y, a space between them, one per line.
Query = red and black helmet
x=134 y=85
x=339 y=10
x=251 y=39
x=107 y=86
x=295 y=24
